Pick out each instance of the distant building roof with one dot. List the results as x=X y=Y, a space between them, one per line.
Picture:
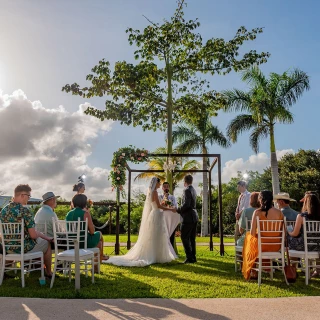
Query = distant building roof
x=4 y=200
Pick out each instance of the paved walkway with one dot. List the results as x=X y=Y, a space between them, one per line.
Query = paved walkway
x=306 y=308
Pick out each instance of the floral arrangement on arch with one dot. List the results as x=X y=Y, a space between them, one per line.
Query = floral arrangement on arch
x=120 y=158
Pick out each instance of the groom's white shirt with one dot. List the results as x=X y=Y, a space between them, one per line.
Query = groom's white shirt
x=171 y=198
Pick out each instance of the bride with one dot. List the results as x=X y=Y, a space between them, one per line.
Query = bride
x=153 y=244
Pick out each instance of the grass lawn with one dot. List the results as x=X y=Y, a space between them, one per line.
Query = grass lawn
x=134 y=237
x=212 y=277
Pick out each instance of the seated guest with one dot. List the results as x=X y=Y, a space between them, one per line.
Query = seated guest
x=283 y=200
x=250 y=247
x=34 y=240
x=310 y=192
x=46 y=213
x=94 y=238
x=247 y=216
x=310 y=211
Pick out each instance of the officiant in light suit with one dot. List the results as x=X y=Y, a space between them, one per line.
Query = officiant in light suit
x=171 y=220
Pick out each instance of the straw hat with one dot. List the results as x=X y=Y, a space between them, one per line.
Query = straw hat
x=282 y=196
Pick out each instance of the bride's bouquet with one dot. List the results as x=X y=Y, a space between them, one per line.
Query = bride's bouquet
x=166 y=202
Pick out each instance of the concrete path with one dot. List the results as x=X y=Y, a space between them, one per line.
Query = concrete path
x=306 y=308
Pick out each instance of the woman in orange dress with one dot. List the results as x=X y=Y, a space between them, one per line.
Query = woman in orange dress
x=250 y=247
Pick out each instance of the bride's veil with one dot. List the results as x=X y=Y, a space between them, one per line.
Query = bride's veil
x=147 y=205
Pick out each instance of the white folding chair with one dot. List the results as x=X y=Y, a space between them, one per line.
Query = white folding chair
x=311 y=234
x=238 y=249
x=12 y=235
x=290 y=224
x=276 y=233
x=71 y=231
x=83 y=242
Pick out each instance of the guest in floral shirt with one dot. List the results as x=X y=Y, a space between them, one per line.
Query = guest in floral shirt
x=34 y=240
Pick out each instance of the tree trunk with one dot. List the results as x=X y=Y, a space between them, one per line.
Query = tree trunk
x=204 y=220
x=169 y=129
x=274 y=164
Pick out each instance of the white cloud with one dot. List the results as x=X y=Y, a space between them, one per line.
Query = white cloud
x=48 y=148
x=256 y=162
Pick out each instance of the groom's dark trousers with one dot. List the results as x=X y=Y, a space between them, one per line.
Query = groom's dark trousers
x=172 y=238
x=189 y=222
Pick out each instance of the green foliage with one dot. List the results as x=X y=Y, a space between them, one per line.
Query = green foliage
x=299 y=172
x=61 y=211
x=119 y=161
x=135 y=215
x=170 y=57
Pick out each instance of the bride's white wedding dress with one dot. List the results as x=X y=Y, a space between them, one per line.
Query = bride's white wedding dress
x=153 y=244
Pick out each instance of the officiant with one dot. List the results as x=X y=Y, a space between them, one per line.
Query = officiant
x=172 y=220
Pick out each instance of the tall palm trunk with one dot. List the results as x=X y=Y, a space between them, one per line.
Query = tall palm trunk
x=204 y=221
x=274 y=164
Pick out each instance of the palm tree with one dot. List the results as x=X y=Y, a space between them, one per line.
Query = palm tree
x=157 y=163
x=198 y=135
x=267 y=103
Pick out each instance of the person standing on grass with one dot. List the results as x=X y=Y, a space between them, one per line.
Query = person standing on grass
x=171 y=220
x=190 y=219
x=34 y=241
x=79 y=188
x=243 y=203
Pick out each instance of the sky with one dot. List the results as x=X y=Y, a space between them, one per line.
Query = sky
x=47 y=141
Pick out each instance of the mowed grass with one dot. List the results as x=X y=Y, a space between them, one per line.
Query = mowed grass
x=212 y=276
x=134 y=237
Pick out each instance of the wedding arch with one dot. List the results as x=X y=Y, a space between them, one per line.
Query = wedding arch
x=118 y=179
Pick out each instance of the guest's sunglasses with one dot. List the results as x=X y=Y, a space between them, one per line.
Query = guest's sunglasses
x=25 y=194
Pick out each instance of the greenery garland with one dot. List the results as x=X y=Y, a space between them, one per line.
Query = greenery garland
x=119 y=161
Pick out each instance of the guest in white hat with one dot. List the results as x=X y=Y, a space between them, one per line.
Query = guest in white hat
x=283 y=201
x=46 y=213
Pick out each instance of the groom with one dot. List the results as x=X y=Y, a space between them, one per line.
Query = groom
x=189 y=216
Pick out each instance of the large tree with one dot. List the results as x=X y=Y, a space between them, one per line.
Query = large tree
x=199 y=135
x=171 y=56
x=266 y=103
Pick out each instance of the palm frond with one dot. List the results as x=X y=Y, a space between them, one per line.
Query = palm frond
x=239 y=124
x=191 y=165
x=257 y=135
x=189 y=146
x=214 y=136
x=236 y=100
x=148 y=175
x=182 y=133
x=283 y=115
x=254 y=77
x=292 y=87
